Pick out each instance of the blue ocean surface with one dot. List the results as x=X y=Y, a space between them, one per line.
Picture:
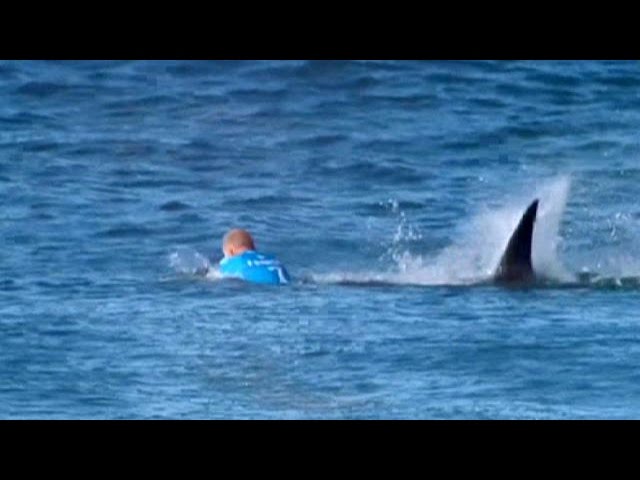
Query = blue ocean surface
x=388 y=189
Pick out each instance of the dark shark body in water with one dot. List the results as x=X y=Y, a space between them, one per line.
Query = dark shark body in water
x=515 y=266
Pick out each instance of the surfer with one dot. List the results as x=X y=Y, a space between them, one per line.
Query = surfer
x=241 y=260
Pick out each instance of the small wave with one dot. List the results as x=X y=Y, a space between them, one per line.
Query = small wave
x=174 y=206
x=39 y=146
x=153 y=183
x=266 y=201
x=596 y=145
x=322 y=140
x=369 y=170
x=45 y=90
x=40 y=89
x=192 y=69
x=134 y=104
x=9 y=285
x=25 y=119
x=414 y=101
x=256 y=95
x=315 y=69
x=126 y=231
x=188 y=218
x=618 y=81
x=8 y=69
x=554 y=79
x=456 y=78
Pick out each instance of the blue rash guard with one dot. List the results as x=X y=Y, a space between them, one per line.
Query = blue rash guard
x=254 y=267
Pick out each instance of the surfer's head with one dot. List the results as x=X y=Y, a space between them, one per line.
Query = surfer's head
x=236 y=242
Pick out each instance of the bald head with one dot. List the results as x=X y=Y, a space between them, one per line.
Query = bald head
x=236 y=242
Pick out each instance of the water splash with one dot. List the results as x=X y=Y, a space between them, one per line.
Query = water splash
x=478 y=246
x=546 y=234
x=404 y=234
x=187 y=261
x=613 y=250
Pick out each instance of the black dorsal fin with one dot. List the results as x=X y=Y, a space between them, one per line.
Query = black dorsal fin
x=515 y=265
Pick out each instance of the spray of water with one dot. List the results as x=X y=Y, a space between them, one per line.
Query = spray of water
x=187 y=261
x=478 y=246
x=546 y=235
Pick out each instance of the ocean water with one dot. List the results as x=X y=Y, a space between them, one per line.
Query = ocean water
x=387 y=188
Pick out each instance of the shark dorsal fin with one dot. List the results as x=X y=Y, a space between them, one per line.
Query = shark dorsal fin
x=515 y=265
